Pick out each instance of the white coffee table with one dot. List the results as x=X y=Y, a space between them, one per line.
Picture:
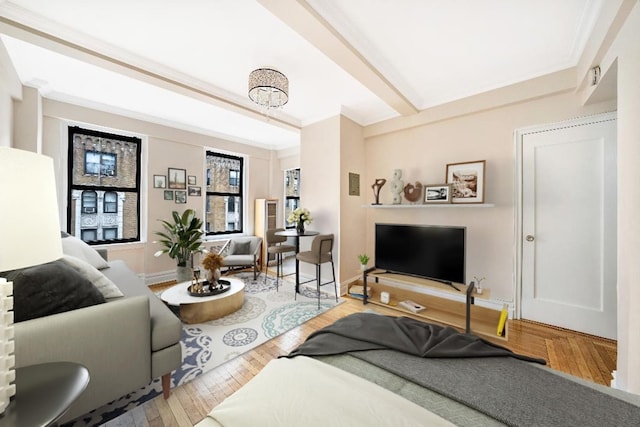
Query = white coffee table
x=201 y=309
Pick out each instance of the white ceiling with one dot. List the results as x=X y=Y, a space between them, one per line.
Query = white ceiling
x=185 y=63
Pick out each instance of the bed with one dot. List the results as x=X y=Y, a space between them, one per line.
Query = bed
x=372 y=370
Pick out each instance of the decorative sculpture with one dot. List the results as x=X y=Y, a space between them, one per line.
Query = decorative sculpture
x=413 y=193
x=396 y=186
x=377 y=185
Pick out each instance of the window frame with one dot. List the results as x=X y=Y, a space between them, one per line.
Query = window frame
x=239 y=194
x=137 y=190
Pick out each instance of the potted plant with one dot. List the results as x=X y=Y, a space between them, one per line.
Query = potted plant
x=181 y=239
x=364 y=260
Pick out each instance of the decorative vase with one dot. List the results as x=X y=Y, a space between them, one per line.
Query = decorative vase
x=363 y=267
x=183 y=274
x=212 y=276
x=300 y=227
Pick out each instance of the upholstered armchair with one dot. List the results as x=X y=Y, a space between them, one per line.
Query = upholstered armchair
x=242 y=252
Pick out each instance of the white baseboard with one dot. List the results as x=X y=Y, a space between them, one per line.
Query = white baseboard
x=164 y=276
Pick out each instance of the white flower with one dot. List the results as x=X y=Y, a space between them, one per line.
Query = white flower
x=300 y=215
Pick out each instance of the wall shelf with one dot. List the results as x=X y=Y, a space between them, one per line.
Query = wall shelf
x=432 y=205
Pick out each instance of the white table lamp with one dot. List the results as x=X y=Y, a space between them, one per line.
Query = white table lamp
x=29 y=235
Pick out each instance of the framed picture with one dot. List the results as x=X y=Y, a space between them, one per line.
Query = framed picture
x=177 y=179
x=159 y=181
x=195 y=191
x=467 y=181
x=168 y=194
x=191 y=180
x=437 y=193
x=181 y=197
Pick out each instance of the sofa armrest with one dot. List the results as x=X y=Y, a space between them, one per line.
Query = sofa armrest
x=110 y=339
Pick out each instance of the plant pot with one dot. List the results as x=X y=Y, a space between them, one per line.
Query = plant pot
x=363 y=267
x=183 y=274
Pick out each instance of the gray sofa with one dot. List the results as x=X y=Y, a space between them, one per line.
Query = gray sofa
x=125 y=343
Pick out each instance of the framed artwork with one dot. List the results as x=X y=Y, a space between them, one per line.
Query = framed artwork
x=159 y=181
x=437 y=193
x=168 y=194
x=354 y=184
x=181 y=197
x=467 y=181
x=177 y=178
x=191 y=179
x=195 y=191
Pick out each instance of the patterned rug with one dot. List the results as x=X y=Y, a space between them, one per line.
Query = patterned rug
x=264 y=315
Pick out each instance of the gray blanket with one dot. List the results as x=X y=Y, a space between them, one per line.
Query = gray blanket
x=495 y=383
x=368 y=331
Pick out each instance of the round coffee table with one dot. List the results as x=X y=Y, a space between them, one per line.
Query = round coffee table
x=201 y=309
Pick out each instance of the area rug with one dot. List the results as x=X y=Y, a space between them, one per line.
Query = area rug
x=266 y=313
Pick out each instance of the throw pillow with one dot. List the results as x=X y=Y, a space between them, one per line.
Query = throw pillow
x=75 y=247
x=107 y=288
x=241 y=247
x=51 y=288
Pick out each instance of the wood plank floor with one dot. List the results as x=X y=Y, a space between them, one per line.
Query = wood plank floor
x=584 y=356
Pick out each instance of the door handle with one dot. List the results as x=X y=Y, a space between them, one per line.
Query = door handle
x=530 y=238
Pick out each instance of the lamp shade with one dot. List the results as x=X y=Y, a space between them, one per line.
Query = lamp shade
x=268 y=88
x=29 y=217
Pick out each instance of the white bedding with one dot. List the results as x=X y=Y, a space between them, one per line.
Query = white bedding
x=308 y=393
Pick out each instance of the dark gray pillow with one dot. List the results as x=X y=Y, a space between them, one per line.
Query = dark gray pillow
x=241 y=248
x=45 y=289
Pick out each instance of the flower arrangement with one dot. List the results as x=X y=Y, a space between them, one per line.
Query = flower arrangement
x=212 y=261
x=300 y=215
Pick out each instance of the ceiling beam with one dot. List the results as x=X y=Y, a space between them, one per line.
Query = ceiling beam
x=304 y=20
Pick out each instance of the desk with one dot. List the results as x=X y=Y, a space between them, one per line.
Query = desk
x=292 y=232
x=44 y=392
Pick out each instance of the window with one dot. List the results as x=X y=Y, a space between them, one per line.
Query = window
x=224 y=202
x=89 y=202
x=104 y=186
x=110 y=204
x=291 y=193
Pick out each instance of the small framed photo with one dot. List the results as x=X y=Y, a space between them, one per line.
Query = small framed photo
x=467 y=180
x=195 y=191
x=191 y=180
x=177 y=179
x=159 y=181
x=181 y=197
x=168 y=194
x=437 y=193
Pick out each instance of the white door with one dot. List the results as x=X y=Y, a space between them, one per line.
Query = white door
x=569 y=226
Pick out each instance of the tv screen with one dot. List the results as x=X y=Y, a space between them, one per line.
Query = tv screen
x=433 y=252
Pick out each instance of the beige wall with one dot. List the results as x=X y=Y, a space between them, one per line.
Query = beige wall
x=163 y=147
x=352 y=214
x=320 y=184
x=27 y=113
x=627 y=52
x=423 y=152
x=10 y=88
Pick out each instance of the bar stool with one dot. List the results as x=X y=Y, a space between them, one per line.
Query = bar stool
x=321 y=252
x=275 y=246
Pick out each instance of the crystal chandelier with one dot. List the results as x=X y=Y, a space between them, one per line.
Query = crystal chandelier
x=268 y=88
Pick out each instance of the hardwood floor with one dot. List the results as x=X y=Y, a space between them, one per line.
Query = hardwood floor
x=584 y=356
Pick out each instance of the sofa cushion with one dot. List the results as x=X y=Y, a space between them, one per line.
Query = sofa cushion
x=107 y=288
x=75 y=247
x=240 y=247
x=51 y=288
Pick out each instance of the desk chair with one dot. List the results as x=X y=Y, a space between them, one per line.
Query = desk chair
x=275 y=246
x=320 y=253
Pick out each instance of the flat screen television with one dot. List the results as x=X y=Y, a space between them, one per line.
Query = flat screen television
x=432 y=252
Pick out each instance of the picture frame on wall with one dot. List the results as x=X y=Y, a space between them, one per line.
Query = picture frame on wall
x=191 y=180
x=159 y=181
x=437 y=193
x=181 y=197
x=168 y=194
x=195 y=191
x=177 y=178
x=467 y=181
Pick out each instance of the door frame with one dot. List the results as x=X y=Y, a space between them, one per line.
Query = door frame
x=519 y=135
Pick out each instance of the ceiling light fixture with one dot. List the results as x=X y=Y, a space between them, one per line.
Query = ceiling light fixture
x=268 y=88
